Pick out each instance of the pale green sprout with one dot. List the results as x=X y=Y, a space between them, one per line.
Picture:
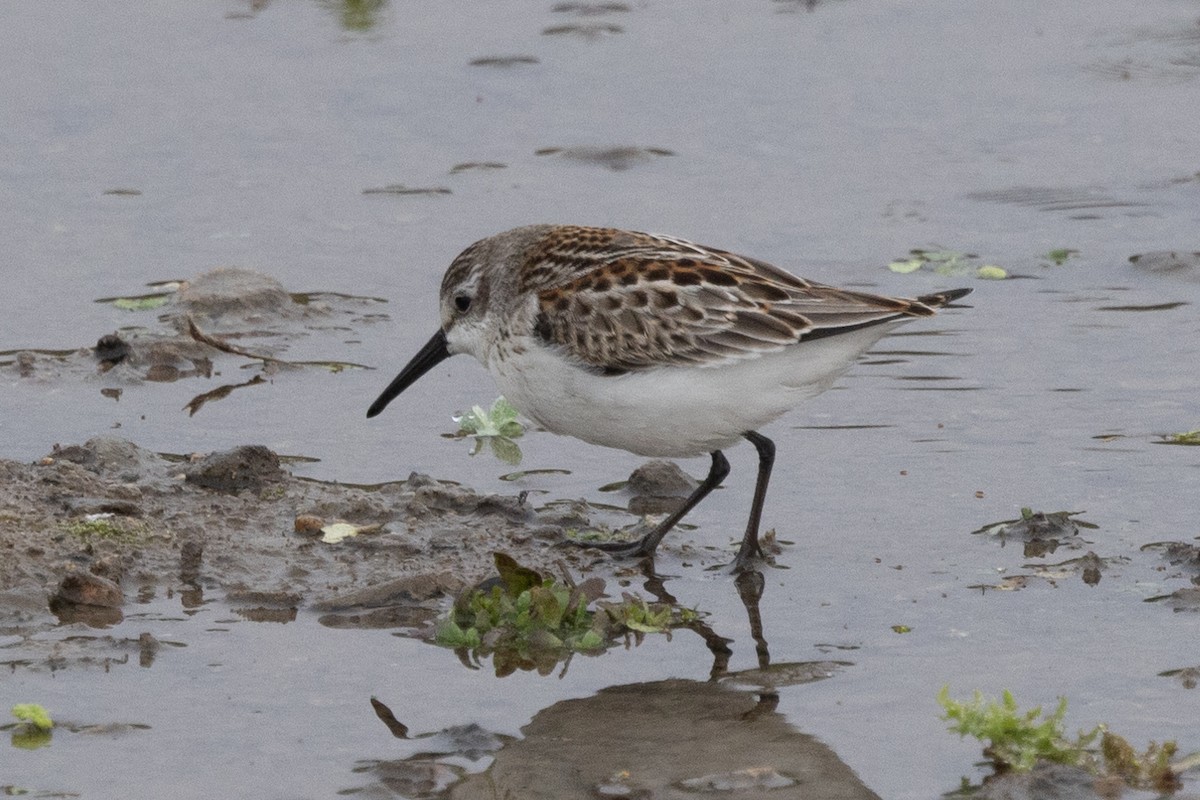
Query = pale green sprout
x=498 y=426
x=500 y=420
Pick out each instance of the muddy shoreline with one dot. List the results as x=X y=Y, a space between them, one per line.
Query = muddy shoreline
x=226 y=523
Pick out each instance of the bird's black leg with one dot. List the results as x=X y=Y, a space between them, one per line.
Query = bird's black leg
x=648 y=543
x=750 y=550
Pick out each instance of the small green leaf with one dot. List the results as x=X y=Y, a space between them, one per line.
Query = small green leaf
x=499 y=420
x=451 y=635
x=511 y=428
x=1060 y=255
x=590 y=641
x=991 y=272
x=906 y=266
x=473 y=421
x=1015 y=740
x=546 y=607
x=505 y=449
x=503 y=411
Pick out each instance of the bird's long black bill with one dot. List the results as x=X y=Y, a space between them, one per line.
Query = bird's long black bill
x=432 y=354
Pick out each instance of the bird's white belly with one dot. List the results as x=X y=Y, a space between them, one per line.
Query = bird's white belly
x=674 y=412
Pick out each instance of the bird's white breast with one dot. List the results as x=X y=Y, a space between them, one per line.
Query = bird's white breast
x=672 y=412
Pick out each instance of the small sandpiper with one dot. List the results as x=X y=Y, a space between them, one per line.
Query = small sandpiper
x=651 y=344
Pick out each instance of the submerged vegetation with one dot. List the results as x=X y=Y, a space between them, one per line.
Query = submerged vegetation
x=526 y=620
x=1018 y=741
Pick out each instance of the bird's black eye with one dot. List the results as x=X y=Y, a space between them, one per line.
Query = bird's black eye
x=462 y=302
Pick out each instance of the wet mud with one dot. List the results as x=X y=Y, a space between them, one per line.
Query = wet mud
x=90 y=525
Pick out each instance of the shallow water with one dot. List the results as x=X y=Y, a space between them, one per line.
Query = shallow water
x=828 y=141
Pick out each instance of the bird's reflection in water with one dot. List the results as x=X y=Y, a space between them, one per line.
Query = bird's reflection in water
x=749 y=587
x=664 y=739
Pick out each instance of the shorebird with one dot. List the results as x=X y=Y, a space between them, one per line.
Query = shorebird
x=651 y=344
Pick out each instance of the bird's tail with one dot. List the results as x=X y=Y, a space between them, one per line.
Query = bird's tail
x=942 y=298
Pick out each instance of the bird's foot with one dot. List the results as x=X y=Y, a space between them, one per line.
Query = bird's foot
x=748 y=559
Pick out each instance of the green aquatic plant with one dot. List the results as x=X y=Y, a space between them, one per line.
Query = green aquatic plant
x=35 y=727
x=497 y=427
x=522 y=611
x=1018 y=741
x=34 y=715
x=499 y=420
x=527 y=620
x=502 y=447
